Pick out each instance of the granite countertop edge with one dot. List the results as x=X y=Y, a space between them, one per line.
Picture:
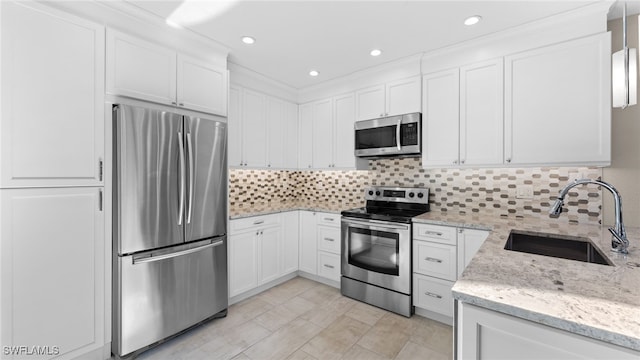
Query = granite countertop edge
x=277 y=211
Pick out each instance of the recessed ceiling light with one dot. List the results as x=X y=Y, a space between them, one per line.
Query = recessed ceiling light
x=472 y=20
x=375 y=52
x=313 y=73
x=248 y=40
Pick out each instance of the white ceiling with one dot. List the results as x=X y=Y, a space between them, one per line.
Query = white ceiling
x=335 y=37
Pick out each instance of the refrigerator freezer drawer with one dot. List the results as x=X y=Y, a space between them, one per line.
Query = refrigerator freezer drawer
x=163 y=292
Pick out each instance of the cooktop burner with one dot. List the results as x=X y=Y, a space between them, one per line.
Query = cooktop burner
x=392 y=204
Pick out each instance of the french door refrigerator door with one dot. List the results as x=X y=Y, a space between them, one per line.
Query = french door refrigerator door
x=206 y=205
x=162 y=292
x=150 y=183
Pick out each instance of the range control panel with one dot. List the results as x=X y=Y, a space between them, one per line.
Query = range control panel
x=398 y=194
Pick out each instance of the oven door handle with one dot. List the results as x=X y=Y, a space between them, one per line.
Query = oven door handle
x=376 y=223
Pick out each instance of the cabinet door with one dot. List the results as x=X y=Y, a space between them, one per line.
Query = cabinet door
x=487 y=334
x=403 y=96
x=270 y=243
x=53 y=268
x=140 y=69
x=243 y=262
x=469 y=242
x=558 y=104
x=52 y=98
x=481 y=120
x=290 y=132
x=202 y=86
x=322 y=134
x=440 y=126
x=274 y=119
x=370 y=103
x=254 y=129
x=344 y=115
x=290 y=235
x=235 y=127
x=305 y=131
x=308 y=248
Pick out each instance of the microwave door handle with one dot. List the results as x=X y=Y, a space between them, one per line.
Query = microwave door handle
x=398 y=134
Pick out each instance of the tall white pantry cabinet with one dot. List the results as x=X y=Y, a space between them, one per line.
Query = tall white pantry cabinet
x=53 y=254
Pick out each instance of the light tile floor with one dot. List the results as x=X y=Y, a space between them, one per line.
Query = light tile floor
x=302 y=319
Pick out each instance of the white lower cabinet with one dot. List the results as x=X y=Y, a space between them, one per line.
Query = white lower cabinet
x=270 y=244
x=487 y=334
x=329 y=265
x=290 y=236
x=243 y=267
x=440 y=254
x=308 y=250
x=328 y=243
x=53 y=270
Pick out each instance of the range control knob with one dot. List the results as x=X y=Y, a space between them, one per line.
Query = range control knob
x=370 y=192
x=420 y=195
x=377 y=193
x=411 y=194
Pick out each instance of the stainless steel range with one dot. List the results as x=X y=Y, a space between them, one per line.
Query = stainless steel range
x=376 y=247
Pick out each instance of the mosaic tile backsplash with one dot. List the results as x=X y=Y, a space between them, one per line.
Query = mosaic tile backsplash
x=462 y=191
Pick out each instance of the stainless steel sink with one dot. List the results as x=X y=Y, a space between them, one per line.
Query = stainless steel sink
x=554 y=245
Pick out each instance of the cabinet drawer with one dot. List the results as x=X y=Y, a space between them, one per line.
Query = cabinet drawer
x=254 y=222
x=435 y=233
x=329 y=239
x=329 y=265
x=329 y=219
x=433 y=294
x=432 y=259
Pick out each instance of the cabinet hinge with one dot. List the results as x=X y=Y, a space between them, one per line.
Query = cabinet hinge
x=100 y=200
x=100 y=169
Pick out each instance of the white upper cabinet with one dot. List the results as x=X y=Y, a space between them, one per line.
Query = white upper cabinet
x=305 y=136
x=440 y=123
x=344 y=115
x=52 y=98
x=481 y=120
x=143 y=70
x=331 y=132
x=140 y=69
x=322 y=134
x=371 y=102
x=558 y=104
x=275 y=122
x=201 y=86
x=402 y=96
x=262 y=130
x=254 y=128
x=394 y=98
x=234 y=121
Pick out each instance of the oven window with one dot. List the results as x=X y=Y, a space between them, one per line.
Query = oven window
x=374 y=250
x=378 y=137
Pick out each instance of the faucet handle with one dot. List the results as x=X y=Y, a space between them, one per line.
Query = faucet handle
x=619 y=242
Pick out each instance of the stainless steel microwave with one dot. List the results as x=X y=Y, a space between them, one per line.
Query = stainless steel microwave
x=390 y=136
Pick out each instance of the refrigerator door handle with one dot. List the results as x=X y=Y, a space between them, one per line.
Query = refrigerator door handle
x=182 y=178
x=191 y=174
x=149 y=259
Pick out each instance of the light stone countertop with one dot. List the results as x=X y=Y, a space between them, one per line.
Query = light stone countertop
x=598 y=301
x=275 y=211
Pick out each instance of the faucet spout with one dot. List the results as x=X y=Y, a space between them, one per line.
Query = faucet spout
x=619 y=241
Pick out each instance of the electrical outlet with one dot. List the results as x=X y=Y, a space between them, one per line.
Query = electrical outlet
x=524 y=192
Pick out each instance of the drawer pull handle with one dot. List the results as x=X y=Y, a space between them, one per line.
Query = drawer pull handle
x=433 y=295
x=329 y=266
x=328 y=219
x=329 y=239
x=433 y=259
x=429 y=232
x=258 y=222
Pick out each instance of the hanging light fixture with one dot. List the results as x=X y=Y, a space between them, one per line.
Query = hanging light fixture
x=624 y=71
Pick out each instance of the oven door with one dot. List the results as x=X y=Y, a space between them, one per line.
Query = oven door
x=377 y=252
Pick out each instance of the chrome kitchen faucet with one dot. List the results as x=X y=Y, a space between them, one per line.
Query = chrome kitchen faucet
x=619 y=241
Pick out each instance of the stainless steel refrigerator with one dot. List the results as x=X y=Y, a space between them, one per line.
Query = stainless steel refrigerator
x=169 y=225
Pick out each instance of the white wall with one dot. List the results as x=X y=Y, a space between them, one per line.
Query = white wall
x=624 y=172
